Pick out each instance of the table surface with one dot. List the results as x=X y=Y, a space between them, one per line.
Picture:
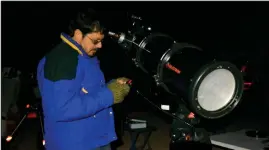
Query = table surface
x=238 y=141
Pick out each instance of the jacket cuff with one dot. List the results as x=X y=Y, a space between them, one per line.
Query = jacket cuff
x=109 y=98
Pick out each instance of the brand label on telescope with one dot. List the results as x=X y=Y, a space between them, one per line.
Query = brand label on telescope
x=165 y=107
x=173 y=68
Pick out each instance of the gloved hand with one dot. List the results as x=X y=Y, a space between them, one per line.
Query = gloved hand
x=119 y=90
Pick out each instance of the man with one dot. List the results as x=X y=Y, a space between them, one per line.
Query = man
x=75 y=99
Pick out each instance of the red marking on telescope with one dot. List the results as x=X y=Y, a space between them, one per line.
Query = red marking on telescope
x=187 y=137
x=173 y=68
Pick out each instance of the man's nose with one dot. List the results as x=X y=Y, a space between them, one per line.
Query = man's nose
x=99 y=45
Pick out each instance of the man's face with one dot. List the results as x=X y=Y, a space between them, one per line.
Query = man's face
x=91 y=42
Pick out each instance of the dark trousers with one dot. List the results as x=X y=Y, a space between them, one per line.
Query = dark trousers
x=119 y=117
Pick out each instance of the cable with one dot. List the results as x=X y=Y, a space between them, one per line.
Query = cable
x=171 y=115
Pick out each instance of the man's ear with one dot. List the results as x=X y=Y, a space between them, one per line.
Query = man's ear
x=78 y=36
x=77 y=33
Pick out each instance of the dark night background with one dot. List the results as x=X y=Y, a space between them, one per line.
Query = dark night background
x=233 y=31
x=228 y=29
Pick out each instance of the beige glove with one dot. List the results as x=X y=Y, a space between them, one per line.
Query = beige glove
x=122 y=80
x=119 y=90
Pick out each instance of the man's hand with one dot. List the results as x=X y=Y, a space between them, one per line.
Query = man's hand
x=119 y=89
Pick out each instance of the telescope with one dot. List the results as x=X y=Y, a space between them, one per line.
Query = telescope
x=205 y=86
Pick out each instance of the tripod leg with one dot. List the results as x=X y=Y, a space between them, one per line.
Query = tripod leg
x=41 y=123
x=146 y=140
x=134 y=137
x=42 y=132
x=9 y=138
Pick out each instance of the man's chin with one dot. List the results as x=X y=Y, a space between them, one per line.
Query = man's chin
x=92 y=53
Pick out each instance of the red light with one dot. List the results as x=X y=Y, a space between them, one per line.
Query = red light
x=191 y=115
x=32 y=115
x=243 y=68
x=247 y=85
x=9 y=138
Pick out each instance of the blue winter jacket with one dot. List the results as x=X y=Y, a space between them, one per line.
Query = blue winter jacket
x=75 y=99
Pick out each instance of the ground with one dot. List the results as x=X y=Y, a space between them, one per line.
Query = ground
x=26 y=139
x=248 y=115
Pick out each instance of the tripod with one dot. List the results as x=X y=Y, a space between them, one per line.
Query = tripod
x=188 y=136
x=32 y=111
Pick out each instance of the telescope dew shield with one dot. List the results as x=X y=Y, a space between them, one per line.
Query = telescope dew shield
x=216 y=90
x=212 y=89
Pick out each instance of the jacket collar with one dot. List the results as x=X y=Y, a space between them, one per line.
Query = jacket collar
x=72 y=43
